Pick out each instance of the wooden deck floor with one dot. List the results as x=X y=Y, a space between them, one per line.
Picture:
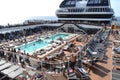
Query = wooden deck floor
x=102 y=71
x=55 y=77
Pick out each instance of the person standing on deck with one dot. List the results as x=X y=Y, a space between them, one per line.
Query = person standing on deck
x=72 y=61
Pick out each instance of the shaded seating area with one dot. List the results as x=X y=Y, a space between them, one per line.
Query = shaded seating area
x=96 y=48
x=9 y=71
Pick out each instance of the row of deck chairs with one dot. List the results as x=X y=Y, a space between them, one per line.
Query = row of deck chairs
x=116 y=62
x=96 y=48
x=9 y=71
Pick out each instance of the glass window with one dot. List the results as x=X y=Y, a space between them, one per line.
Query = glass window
x=68 y=3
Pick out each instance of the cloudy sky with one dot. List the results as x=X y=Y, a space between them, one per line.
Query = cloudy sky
x=16 y=11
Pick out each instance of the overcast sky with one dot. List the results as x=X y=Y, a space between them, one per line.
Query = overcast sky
x=16 y=11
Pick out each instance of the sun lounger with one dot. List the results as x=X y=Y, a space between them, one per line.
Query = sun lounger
x=66 y=47
x=49 y=57
x=14 y=74
x=54 y=45
x=8 y=70
x=48 y=48
x=83 y=73
x=58 y=53
x=92 y=53
x=115 y=76
x=117 y=50
x=116 y=71
x=6 y=65
x=82 y=70
x=116 y=64
x=72 y=76
x=117 y=41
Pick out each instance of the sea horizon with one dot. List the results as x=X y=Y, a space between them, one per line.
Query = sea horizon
x=21 y=20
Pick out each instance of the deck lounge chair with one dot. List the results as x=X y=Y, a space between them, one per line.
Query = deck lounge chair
x=115 y=76
x=66 y=47
x=10 y=69
x=117 y=50
x=92 y=53
x=116 y=71
x=116 y=64
x=83 y=73
x=14 y=74
x=48 y=48
x=71 y=75
x=6 y=65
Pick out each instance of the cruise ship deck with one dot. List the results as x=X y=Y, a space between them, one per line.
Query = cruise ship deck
x=81 y=46
x=78 y=57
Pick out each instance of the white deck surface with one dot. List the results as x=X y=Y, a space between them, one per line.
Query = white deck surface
x=2 y=62
x=8 y=70
x=5 y=66
x=14 y=74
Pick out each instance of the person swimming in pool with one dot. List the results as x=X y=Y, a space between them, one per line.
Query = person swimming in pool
x=34 y=44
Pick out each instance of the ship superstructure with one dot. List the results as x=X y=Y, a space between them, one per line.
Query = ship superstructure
x=85 y=10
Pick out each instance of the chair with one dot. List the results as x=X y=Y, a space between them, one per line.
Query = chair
x=71 y=75
x=83 y=73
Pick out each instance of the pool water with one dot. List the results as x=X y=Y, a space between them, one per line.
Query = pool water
x=38 y=44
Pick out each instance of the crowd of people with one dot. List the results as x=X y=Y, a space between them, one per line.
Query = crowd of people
x=26 y=32
x=22 y=57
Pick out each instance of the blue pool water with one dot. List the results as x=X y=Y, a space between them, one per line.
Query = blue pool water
x=38 y=44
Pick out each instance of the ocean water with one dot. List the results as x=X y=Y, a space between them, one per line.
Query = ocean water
x=20 y=20
x=41 y=18
x=118 y=21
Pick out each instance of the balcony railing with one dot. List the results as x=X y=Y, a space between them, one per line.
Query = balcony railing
x=85 y=10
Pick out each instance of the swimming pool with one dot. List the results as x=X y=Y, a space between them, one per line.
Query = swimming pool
x=38 y=44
